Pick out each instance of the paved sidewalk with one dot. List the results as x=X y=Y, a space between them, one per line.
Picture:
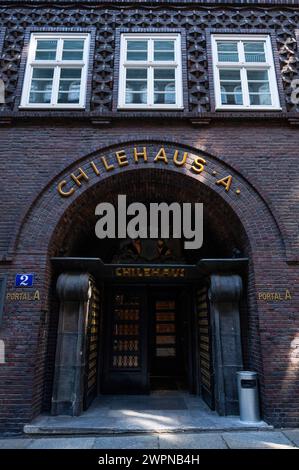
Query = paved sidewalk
x=280 y=439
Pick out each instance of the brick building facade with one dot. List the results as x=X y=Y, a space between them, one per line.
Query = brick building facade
x=59 y=161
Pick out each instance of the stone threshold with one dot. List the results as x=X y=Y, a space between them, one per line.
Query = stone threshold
x=50 y=430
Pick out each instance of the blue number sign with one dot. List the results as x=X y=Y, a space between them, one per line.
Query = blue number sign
x=24 y=280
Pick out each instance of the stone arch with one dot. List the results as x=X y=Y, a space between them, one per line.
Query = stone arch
x=48 y=209
x=156 y=186
x=49 y=212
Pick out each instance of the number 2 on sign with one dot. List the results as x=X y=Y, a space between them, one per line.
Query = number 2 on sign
x=24 y=280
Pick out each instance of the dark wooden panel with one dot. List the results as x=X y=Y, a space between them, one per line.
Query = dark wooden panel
x=205 y=348
x=92 y=343
x=164 y=360
x=126 y=340
x=125 y=368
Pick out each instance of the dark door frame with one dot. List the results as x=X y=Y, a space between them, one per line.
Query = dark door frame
x=106 y=339
x=147 y=290
x=225 y=290
x=165 y=293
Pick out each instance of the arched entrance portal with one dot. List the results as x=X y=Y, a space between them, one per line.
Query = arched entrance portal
x=138 y=316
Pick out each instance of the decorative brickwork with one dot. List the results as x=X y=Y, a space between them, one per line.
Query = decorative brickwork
x=259 y=150
x=195 y=21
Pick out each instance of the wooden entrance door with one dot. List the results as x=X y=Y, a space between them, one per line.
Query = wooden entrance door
x=147 y=340
x=166 y=337
x=125 y=367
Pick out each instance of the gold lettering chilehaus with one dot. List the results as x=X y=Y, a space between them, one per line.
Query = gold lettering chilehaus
x=122 y=158
x=150 y=272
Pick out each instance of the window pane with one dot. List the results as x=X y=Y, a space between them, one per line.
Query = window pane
x=256 y=75
x=164 y=98
x=255 y=57
x=72 y=49
x=163 y=46
x=231 y=98
x=48 y=44
x=43 y=73
x=137 y=55
x=71 y=96
x=69 y=85
x=164 y=86
x=228 y=51
x=70 y=73
x=137 y=45
x=254 y=46
x=260 y=99
x=164 y=74
x=228 y=75
x=41 y=86
x=72 y=55
x=254 y=52
x=46 y=49
x=73 y=44
x=133 y=74
x=45 y=55
x=256 y=87
x=136 y=98
x=164 y=50
x=164 y=56
x=231 y=89
x=136 y=85
x=41 y=97
x=228 y=57
x=137 y=50
x=259 y=88
x=227 y=46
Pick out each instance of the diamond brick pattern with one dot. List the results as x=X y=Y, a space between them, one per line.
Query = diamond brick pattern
x=195 y=21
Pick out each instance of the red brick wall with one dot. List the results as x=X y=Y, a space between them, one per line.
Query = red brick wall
x=262 y=157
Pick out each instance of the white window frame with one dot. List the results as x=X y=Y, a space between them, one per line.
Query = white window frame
x=243 y=67
x=57 y=64
x=150 y=64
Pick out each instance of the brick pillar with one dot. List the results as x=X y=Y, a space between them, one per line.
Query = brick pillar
x=225 y=292
x=74 y=290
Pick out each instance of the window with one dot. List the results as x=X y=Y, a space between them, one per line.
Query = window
x=244 y=74
x=56 y=71
x=150 y=71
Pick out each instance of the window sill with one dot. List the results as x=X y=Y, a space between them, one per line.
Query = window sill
x=249 y=108
x=49 y=108
x=152 y=108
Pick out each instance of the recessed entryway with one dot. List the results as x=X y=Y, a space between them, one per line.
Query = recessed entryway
x=147 y=337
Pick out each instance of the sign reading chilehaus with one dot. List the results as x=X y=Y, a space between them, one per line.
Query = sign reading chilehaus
x=129 y=272
x=141 y=156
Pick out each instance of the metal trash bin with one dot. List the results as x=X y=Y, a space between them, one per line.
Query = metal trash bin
x=248 y=396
